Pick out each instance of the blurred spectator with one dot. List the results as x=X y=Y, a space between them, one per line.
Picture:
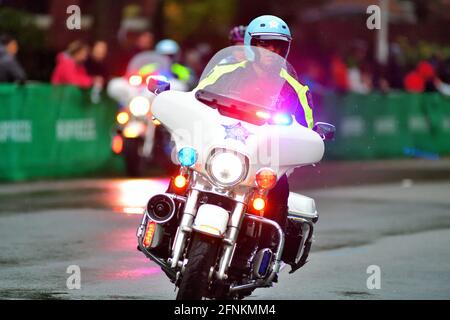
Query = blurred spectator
x=444 y=69
x=143 y=42
x=236 y=35
x=441 y=79
x=95 y=65
x=414 y=82
x=426 y=71
x=171 y=49
x=360 y=73
x=197 y=58
x=442 y=87
x=421 y=79
x=391 y=76
x=339 y=73
x=236 y=38
x=194 y=60
x=10 y=69
x=313 y=77
x=359 y=80
x=70 y=68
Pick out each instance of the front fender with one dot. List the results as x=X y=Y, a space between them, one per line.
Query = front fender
x=211 y=220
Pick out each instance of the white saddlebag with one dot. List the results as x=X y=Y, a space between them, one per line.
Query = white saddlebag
x=301 y=206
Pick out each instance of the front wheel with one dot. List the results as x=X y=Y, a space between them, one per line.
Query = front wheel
x=201 y=257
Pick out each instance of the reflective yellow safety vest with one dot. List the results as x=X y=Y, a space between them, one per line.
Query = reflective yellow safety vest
x=182 y=72
x=301 y=90
x=148 y=69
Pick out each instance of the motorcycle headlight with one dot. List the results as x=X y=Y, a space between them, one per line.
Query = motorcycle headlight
x=139 y=106
x=227 y=168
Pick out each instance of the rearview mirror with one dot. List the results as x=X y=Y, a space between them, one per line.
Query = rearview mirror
x=325 y=130
x=158 y=84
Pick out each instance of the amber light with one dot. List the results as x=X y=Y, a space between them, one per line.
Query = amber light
x=149 y=233
x=180 y=181
x=122 y=117
x=117 y=144
x=259 y=204
x=156 y=122
x=131 y=132
x=266 y=178
x=135 y=80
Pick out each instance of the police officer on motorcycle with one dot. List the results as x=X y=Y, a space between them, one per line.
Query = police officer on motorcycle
x=171 y=49
x=236 y=35
x=236 y=38
x=272 y=33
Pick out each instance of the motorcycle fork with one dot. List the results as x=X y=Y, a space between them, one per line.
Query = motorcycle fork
x=234 y=225
x=190 y=210
x=149 y=140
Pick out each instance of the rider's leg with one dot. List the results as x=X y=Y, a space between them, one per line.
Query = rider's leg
x=277 y=202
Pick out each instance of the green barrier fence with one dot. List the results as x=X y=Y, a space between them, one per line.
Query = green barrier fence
x=48 y=131
x=395 y=125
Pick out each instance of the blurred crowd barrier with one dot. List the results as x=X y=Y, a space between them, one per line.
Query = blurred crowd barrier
x=381 y=126
x=49 y=132
x=57 y=132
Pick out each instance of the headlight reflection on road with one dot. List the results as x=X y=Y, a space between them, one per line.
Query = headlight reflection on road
x=133 y=195
x=129 y=274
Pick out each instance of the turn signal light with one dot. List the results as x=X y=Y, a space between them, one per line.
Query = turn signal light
x=156 y=122
x=259 y=204
x=117 y=144
x=135 y=80
x=131 y=132
x=122 y=117
x=266 y=178
x=149 y=233
x=180 y=181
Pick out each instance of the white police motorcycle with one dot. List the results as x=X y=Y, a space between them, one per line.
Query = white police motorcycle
x=232 y=145
x=136 y=131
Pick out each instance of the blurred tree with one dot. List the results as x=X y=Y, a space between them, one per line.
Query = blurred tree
x=32 y=41
x=107 y=18
x=198 y=20
x=288 y=10
x=430 y=10
x=21 y=25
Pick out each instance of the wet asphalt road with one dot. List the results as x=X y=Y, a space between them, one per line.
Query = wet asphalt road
x=404 y=228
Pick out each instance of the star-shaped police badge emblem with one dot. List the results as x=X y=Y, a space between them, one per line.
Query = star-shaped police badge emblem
x=273 y=24
x=236 y=132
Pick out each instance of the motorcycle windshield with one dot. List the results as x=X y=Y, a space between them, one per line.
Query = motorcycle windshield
x=149 y=63
x=249 y=83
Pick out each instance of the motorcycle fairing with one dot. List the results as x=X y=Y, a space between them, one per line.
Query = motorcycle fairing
x=196 y=125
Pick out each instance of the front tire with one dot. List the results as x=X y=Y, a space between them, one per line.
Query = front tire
x=201 y=257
